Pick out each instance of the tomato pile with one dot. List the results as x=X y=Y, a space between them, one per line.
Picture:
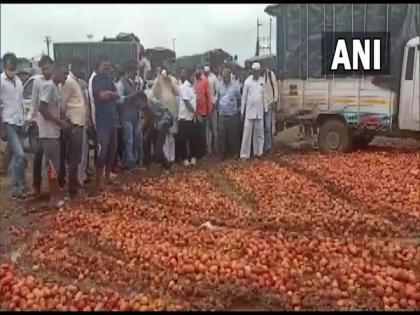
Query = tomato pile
x=303 y=232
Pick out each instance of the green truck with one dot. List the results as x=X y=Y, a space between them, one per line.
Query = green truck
x=215 y=58
x=119 y=52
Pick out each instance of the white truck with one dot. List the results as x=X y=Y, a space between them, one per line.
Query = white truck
x=347 y=112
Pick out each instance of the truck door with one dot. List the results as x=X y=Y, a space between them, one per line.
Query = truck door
x=409 y=105
x=416 y=101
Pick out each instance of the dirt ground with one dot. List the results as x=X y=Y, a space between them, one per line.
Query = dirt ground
x=22 y=223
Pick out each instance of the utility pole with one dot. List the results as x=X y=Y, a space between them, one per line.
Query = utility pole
x=173 y=44
x=257 y=52
x=89 y=36
x=48 y=40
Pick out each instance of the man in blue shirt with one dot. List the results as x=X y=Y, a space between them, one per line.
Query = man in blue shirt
x=105 y=95
x=129 y=111
x=228 y=104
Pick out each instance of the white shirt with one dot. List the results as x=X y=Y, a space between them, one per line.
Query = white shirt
x=11 y=100
x=39 y=82
x=145 y=64
x=213 y=86
x=149 y=93
x=91 y=99
x=186 y=93
x=120 y=89
x=50 y=95
x=73 y=100
x=253 y=98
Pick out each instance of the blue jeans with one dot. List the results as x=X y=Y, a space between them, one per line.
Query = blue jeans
x=268 y=130
x=14 y=136
x=131 y=141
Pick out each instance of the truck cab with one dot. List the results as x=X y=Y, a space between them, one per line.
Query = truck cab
x=349 y=112
x=386 y=113
x=409 y=106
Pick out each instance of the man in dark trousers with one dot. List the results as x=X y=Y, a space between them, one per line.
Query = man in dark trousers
x=105 y=95
x=229 y=100
x=46 y=65
x=49 y=126
x=187 y=118
x=74 y=111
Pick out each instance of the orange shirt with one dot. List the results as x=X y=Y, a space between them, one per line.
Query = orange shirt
x=202 y=90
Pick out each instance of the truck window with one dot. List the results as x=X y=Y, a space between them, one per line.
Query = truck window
x=409 y=69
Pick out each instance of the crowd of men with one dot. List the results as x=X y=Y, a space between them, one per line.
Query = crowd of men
x=132 y=119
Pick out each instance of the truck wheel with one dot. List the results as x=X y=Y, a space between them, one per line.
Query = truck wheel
x=362 y=141
x=334 y=135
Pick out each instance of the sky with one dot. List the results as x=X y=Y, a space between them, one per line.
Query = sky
x=195 y=27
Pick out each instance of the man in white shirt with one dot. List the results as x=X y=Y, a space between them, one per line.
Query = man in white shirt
x=212 y=127
x=46 y=64
x=74 y=108
x=11 y=109
x=144 y=65
x=252 y=113
x=186 y=120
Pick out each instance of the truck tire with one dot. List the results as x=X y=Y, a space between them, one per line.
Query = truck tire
x=334 y=135
x=362 y=141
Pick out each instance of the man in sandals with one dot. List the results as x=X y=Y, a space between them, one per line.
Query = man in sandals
x=49 y=125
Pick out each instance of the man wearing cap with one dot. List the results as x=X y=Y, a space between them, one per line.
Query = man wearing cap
x=252 y=113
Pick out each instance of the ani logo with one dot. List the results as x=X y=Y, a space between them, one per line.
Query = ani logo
x=366 y=53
